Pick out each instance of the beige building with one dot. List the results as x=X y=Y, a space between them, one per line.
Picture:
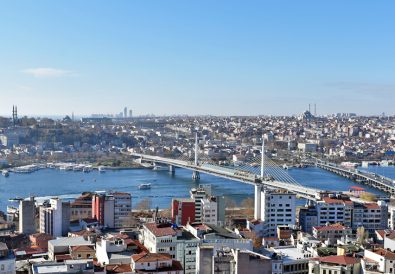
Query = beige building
x=335 y=265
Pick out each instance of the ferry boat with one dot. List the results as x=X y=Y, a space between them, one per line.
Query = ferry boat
x=5 y=173
x=145 y=186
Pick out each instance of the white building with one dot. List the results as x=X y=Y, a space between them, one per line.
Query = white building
x=199 y=194
x=155 y=263
x=288 y=259
x=62 y=245
x=334 y=209
x=55 y=219
x=106 y=248
x=277 y=208
x=209 y=211
x=219 y=237
x=178 y=242
x=391 y=218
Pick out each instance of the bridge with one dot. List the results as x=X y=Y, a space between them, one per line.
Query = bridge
x=269 y=175
x=371 y=179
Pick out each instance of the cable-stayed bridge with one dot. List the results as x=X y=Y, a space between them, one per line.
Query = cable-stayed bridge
x=259 y=170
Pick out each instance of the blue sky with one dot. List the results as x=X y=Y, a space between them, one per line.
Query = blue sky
x=197 y=57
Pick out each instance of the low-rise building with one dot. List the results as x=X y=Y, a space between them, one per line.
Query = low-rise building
x=228 y=260
x=62 y=245
x=176 y=241
x=154 y=262
x=335 y=264
x=331 y=233
x=68 y=266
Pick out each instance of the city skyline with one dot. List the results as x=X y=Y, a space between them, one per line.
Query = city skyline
x=222 y=58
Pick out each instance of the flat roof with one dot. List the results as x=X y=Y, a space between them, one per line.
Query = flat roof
x=69 y=241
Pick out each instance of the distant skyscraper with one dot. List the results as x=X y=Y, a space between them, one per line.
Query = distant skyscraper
x=130 y=113
x=14 y=115
x=125 y=112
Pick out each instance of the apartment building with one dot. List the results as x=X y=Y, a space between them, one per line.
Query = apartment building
x=168 y=238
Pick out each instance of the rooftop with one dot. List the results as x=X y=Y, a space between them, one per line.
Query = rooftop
x=69 y=241
x=331 y=227
x=151 y=257
x=339 y=260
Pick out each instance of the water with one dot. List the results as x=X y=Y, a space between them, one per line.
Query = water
x=388 y=171
x=50 y=182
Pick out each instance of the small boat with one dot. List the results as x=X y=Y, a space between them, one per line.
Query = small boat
x=159 y=168
x=87 y=169
x=145 y=186
x=101 y=169
x=5 y=173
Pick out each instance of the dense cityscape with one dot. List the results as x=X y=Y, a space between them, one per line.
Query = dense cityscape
x=100 y=232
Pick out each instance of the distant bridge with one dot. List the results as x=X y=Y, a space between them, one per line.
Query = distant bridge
x=371 y=179
x=269 y=174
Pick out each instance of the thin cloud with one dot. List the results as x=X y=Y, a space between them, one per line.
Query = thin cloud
x=47 y=72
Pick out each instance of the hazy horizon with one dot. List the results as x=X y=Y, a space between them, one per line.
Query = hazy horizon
x=208 y=57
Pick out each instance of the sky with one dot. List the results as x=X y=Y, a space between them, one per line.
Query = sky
x=197 y=57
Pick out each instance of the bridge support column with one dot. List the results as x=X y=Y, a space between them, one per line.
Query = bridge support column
x=257 y=203
x=195 y=175
x=172 y=169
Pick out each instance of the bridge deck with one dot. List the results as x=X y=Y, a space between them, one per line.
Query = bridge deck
x=377 y=181
x=232 y=174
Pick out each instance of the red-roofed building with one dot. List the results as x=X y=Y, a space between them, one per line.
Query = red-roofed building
x=40 y=240
x=155 y=262
x=331 y=232
x=335 y=264
x=381 y=260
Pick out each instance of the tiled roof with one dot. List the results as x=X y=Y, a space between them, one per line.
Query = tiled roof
x=372 y=206
x=159 y=231
x=150 y=257
x=82 y=248
x=119 y=268
x=340 y=260
x=385 y=253
x=330 y=200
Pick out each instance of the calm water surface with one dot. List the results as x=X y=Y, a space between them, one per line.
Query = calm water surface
x=50 y=182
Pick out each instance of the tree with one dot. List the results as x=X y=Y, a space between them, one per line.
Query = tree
x=368 y=197
x=248 y=205
x=144 y=204
x=362 y=235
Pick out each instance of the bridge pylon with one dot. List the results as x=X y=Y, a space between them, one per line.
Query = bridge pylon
x=195 y=173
